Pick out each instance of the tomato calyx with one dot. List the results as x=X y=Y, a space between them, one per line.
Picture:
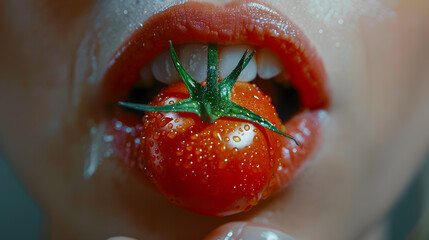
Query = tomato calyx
x=214 y=100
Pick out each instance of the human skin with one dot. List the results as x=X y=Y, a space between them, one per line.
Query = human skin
x=374 y=136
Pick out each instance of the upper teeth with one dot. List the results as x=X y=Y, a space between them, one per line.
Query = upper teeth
x=269 y=64
x=228 y=59
x=193 y=57
x=163 y=68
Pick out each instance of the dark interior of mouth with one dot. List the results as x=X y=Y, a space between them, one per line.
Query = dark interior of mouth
x=284 y=97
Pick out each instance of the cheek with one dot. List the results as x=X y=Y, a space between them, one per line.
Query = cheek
x=398 y=86
x=397 y=56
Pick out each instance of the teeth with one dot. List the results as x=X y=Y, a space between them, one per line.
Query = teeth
x=228 y=59
x=194 y=59
x=163 y=69
x=193 y=56
x=269 y=64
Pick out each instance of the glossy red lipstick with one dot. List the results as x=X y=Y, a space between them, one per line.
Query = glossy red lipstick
x=248 y=22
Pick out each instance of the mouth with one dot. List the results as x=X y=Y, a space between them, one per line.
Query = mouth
x=284 y=58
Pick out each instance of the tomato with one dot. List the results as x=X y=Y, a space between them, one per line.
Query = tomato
x=218 y=168
x=214 y=148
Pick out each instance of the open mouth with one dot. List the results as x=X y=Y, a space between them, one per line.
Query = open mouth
x=285 y=67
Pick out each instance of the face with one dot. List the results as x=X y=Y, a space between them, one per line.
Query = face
x=374 y=134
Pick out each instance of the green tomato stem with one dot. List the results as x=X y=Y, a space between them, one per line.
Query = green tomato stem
x=214 y=100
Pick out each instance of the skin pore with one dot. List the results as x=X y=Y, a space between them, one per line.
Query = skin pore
x=375 y=133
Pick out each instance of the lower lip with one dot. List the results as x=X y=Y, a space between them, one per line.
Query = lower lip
x=248 y=22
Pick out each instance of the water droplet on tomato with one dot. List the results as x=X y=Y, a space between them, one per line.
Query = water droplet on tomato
x=236 y=138
x=156 y=136
x=172 y=134
x=223 y=164
x=146 y=123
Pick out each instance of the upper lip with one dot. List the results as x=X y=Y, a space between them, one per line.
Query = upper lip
x=247 y=21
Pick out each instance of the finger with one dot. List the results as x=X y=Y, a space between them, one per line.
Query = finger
x=246 y=230
x=120 y=238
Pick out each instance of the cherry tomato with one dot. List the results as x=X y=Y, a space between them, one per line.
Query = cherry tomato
x=218 y=168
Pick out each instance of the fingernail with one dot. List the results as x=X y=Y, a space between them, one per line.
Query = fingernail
x=263 y=233
x=120 y=238
x=248 y=231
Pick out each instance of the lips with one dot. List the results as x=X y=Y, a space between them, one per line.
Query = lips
x=246 y=22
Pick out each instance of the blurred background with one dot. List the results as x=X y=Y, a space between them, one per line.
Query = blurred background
x=20 y=217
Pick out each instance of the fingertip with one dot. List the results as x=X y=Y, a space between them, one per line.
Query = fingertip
x=120 y=238
x=246 y=230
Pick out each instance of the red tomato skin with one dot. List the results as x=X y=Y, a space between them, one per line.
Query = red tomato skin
x=219 y=168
